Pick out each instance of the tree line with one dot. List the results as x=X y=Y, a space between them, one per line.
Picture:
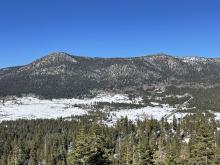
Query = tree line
x=194 y=139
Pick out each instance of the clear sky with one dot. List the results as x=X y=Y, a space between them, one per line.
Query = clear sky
x=30 y=29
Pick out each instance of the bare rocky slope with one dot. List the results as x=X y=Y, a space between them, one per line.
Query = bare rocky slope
x=60 y=75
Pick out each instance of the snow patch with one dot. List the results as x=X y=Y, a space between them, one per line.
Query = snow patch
x=140 y=113
x=33 y=108
x=30 y=107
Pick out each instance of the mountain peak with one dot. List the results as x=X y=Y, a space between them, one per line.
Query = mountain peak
x=53 y=63
x=55 y=58
x=58 y=56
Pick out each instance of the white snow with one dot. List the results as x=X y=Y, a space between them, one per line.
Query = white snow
x=193 y=60
x=186 y=140
x=217 y=116
x=30 y=107
x=154 y=103
x=33 y=108
x=118 y=98
x=140 y=113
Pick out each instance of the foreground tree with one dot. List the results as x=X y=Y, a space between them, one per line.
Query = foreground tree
x=202 y=144
x=89 y=150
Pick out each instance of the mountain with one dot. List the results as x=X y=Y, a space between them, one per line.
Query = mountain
x=60 y=75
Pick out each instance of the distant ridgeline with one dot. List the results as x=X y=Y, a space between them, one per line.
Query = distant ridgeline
x=60 y=75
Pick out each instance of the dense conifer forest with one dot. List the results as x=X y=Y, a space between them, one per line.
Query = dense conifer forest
x=194 y=139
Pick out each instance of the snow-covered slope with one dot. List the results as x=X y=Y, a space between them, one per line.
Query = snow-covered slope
x=141 y=113
x=34 y=108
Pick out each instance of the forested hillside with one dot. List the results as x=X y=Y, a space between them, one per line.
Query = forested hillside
x=194 y=139
x=60 y=75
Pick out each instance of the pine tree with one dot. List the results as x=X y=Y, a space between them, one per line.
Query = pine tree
x=175 y=124
x=98 y=149
x=89 y=150
x=126 y=151
x=202 y=147
x=79 y=155
x=145 y=154
x=33 y=155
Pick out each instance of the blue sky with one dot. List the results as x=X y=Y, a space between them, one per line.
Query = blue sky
x=30 y=29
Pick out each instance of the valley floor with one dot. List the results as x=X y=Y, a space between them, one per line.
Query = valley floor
x=113 y=106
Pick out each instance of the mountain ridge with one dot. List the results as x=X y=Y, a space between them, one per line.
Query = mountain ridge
x=132 y=57
x=63 y=75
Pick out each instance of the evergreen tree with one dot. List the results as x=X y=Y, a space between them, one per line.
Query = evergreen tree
x=202 y=145
x=89 y=150
x=98 y=150
x=33 y=155
x=79 y=154
x=145 y=154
